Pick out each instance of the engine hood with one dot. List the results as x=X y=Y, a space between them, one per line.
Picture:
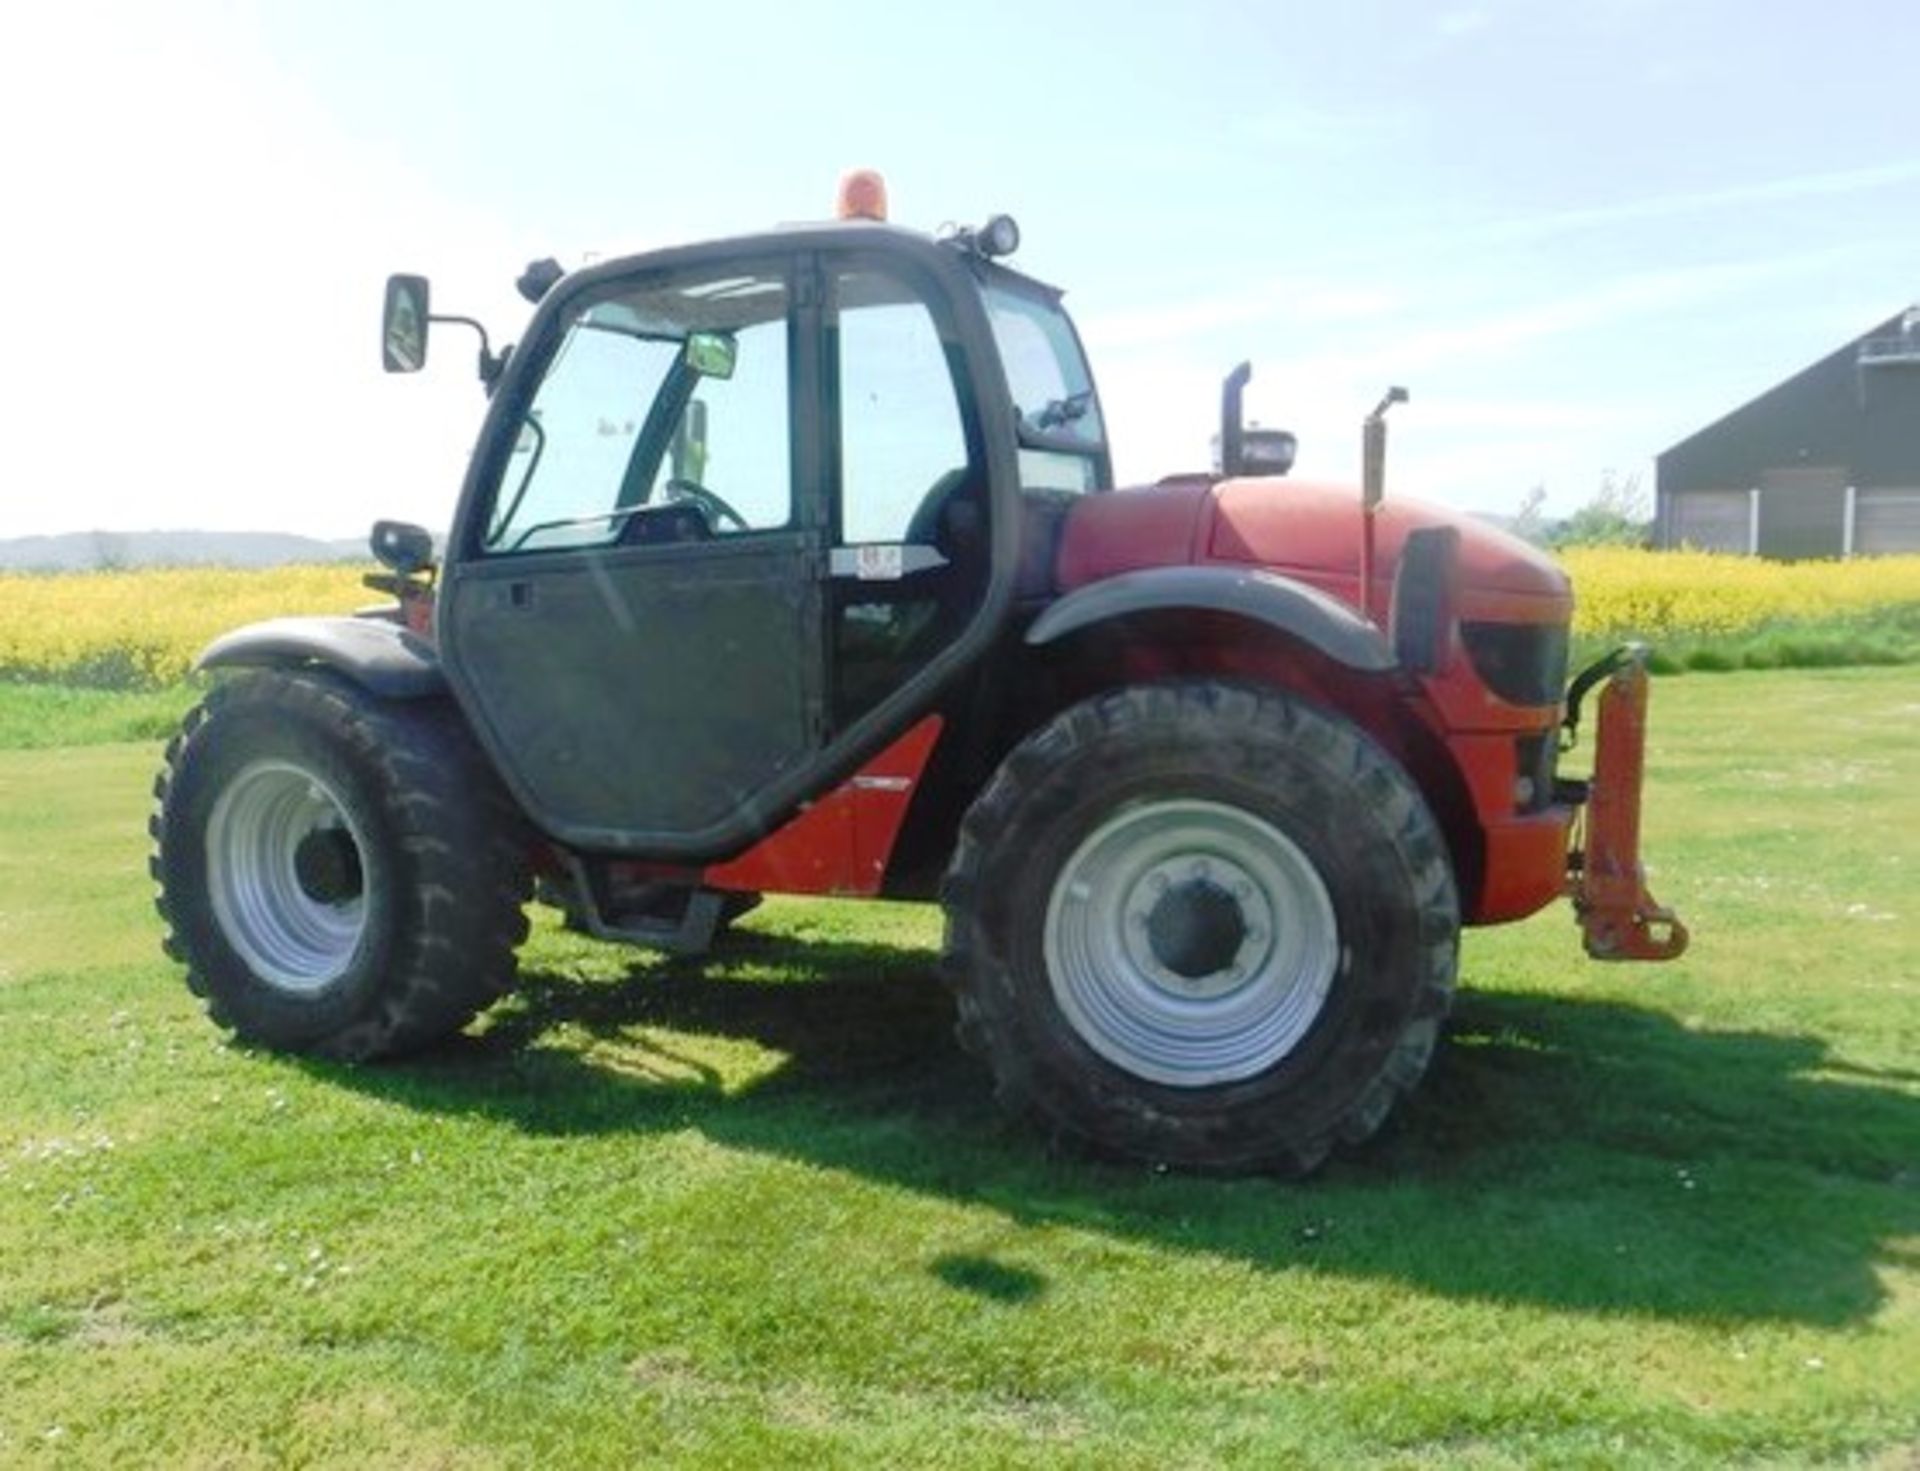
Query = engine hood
x=1129 y=530
x=1303 y=530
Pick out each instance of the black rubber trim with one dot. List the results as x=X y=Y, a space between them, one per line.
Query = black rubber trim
x=1279 y=602
x=383 y=658
x=1418 y=619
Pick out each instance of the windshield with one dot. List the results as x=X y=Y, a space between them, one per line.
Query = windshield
x=662 y=394
x=1062 y=440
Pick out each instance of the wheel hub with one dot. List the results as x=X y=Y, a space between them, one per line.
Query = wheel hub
x=327 y=866
x=1196 y=929
x=1190 y=943
x=286 y=874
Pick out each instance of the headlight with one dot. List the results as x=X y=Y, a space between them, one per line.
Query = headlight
x=1522 y=663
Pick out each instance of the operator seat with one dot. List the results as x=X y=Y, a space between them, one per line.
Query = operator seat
x=951 y=518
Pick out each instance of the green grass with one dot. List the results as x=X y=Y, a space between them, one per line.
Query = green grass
x=37 y=716
x=758 y=1211
x=1886 y=636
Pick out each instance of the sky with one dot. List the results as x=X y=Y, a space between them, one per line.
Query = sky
x=1575 y=232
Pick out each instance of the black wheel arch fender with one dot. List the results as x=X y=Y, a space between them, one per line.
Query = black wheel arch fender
x=1282 y=603
x=381 y=656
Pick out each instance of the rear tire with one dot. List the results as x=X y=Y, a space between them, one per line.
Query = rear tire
x=1202 y=924
x=340 y=874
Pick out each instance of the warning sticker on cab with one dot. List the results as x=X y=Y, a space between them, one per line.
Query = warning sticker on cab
x=877 y=562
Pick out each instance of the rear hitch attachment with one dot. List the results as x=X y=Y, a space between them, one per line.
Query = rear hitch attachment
x=1619 y=919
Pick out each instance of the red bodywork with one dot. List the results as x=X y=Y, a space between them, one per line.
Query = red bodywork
x=1312 y=533
x=840 y=844
x=1456 y=736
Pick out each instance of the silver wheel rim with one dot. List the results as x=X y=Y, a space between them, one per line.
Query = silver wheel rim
x=1224 y=989
x=295 y=929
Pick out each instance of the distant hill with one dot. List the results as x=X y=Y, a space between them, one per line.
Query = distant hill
x=79 y=551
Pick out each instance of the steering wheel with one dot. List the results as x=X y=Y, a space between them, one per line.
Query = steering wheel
x=710 y=505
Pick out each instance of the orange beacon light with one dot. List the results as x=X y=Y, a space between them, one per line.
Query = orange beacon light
x=863 y=195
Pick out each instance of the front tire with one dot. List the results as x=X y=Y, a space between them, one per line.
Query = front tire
x=1202 y=924
x=340 y=874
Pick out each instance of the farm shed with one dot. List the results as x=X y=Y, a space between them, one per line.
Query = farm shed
x=1825 y=464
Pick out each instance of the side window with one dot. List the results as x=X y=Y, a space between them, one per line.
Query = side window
x=905 y=477
x=902 y=445
x=663 y=415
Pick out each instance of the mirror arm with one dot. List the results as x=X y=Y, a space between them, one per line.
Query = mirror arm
x=492 y=364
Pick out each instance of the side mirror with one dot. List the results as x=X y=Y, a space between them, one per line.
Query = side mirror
x=402 y=547
x=403 y=324
x=711 y=354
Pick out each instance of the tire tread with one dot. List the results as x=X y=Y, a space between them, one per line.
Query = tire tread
x=975 y=966
x=459 y=854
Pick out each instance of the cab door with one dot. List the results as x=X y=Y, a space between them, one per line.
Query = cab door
x=633 y=618
x=912 y=517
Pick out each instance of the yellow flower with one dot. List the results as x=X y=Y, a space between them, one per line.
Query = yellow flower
x=141 y=629
x=1662 y=595
x=129 y=630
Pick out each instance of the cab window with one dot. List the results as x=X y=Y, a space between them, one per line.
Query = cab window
x=900 y=426
x=1062 y=438
x=912 y=487
x=663 y=415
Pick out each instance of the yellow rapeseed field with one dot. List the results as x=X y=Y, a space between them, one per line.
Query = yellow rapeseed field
x=1666 y=595
x=136 y=630
x=142 y=629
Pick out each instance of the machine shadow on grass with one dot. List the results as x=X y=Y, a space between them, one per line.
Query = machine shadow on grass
x=1575 y=1154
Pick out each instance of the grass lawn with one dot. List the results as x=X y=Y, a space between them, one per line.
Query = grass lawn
x=38 y=715
x=759 y=1210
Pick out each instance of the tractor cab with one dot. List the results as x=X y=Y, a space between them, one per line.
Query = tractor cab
x=757 y=499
